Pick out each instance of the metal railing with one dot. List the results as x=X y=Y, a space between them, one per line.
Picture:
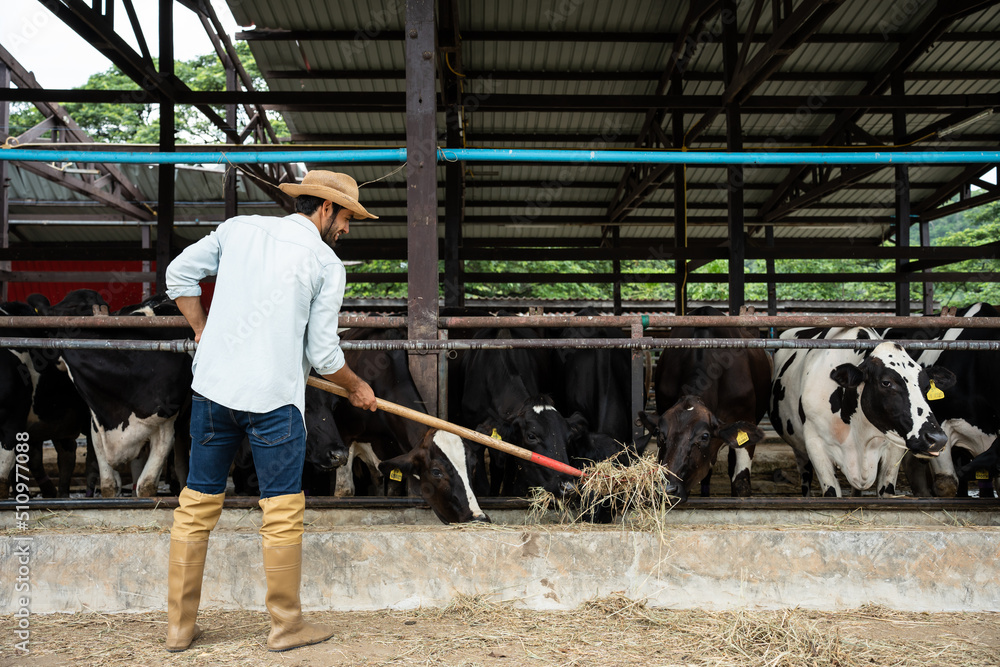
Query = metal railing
x=633 y=340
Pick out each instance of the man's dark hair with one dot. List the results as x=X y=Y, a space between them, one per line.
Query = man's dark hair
x=307 y=205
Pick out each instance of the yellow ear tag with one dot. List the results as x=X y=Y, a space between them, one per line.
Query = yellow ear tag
x=495 y=435
x=934 y=393
x=982 y=474
x=396 y=475
x=742 y=438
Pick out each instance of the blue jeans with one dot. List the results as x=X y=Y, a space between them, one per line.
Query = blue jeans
x=277 y=440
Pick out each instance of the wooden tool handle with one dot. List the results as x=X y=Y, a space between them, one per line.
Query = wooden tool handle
x=461 y=431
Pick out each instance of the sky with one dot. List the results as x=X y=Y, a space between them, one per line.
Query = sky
x=60 y=58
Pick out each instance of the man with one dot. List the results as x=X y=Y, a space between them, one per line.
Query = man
x=278 y=293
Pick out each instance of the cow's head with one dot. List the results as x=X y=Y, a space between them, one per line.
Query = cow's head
x=894 y=396
x=439 y=464
x=79 y=302
x=325 y=448
x=539 y=427
x=688 y=438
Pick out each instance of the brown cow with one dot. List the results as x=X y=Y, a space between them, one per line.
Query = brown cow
x=706 y=399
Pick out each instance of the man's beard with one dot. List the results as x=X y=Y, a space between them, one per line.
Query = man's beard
x=330 y=235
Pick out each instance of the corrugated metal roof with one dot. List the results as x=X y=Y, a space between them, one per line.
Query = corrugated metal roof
x=499 y=197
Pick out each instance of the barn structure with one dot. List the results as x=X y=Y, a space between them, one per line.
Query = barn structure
x=755 y=76
x=717 y=77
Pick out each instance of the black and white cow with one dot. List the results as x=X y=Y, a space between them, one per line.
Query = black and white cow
x=437 y=466
x=706 y=399
x=134 y=398
x=434 y=464
x=988 y=461
x=853 y=409
x=969 y=412
x=508 y=390
x=56 y=410
x=15 y=398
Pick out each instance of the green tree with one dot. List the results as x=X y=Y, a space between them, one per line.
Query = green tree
x=130 y=122
x=965 y=293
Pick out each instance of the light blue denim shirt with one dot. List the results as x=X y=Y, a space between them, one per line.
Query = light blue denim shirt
x=274 y=314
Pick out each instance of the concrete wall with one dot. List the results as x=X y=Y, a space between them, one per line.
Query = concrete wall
x=354 y=568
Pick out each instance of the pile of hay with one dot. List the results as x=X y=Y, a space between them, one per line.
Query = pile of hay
x=634 y=494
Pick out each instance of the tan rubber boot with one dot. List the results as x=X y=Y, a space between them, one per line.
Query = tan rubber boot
x=281 y=531
x=194 y=518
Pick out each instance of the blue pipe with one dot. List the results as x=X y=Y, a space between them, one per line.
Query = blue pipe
x=369 y=155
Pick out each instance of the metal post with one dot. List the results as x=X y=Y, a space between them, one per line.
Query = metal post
x=638 y=384
x=680 y=203
x=442 y=395
x=146 y=244
x=421 y=193
x=616 y=269
x=454 y=288
x=4 y=209
x=230 y=192
x=902 y=198
x=165 y=207
x=928 y=288
x=772 y=289
x=734 y=140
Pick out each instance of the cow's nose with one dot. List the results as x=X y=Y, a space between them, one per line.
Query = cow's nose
x=935 y=441
x=674 y=489
x=481 y=518
x=338 y=459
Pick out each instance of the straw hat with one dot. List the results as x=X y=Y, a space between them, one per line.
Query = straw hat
x=338 y=188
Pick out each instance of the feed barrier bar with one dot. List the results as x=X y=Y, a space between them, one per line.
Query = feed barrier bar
x=529 y=343
x=159 y=321
x=845 y=504
x=549 y=321
x=370 y=155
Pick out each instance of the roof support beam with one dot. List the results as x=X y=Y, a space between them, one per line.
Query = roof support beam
x=70 y=182
x=927 y=208
x=157 y=87
x=807 y=18
x=902 y=201
x=227 y=54
x=634 y=75
x=57 y=116
x=851 y=175
x=535 y=36
x=638 y=181
x=4 y=180
x=450 y=70
x=908 y=52
x=500 y=102
x=165 y=205
x=734 y=135
x=962 y=205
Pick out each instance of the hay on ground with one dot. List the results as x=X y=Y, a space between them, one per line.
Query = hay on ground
x=634 y=494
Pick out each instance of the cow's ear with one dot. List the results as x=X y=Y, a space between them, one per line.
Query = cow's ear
x=740 y=434
x=402 y=464
x=38 y=302
x=578 y=425
x=942 y=377
x=648 y=422
x=847 y=376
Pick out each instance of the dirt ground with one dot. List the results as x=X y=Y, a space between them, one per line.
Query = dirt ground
x=611 y=631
